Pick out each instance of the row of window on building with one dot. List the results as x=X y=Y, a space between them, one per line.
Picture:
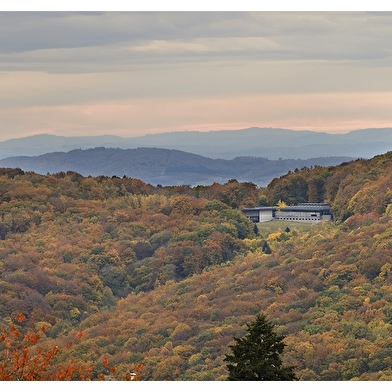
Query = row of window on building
x=304 y=212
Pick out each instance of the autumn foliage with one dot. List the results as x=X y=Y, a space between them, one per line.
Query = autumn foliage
x=22 y=359
x=166 y=276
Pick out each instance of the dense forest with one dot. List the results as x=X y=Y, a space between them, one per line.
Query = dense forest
x=166 y=276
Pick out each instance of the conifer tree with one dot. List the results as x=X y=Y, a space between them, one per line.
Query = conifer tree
x=256 y=356
x=266 y=248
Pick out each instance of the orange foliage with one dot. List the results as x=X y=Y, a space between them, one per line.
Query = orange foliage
x=22 y=360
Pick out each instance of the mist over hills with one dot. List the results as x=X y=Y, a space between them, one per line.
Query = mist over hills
x=163 y=166
x=192 y=158
x=271 y=143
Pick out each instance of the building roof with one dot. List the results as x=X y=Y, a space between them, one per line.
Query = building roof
x=259 y=208
x=308 y=207
x=298 y=207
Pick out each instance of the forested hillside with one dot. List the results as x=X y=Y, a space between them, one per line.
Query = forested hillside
x=166 y=276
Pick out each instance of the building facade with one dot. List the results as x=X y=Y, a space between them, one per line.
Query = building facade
x=304 y=212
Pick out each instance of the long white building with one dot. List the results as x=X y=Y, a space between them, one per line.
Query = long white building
x=304 y=212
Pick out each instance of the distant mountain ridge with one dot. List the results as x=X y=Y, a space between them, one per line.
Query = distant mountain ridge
x=271 y=143
x=164 y=166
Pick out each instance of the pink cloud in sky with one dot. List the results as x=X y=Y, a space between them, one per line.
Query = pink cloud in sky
x=329 y=112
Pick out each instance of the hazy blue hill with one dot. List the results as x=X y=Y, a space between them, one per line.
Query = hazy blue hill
x=45 y=143
x=272 y=143
x=163 y=166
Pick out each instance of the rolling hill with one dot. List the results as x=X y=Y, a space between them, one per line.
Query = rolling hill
x=167 y=276
x=271 y=143
x=163 y=166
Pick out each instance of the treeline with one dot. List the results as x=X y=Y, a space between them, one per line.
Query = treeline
x=162 y=166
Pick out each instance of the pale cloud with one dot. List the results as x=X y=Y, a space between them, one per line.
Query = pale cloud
x=133 y=73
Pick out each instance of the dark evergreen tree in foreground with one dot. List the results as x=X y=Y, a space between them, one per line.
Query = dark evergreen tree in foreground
x=256 y=356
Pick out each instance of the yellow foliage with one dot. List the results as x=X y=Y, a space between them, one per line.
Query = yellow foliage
x=281 y=204
x=195 y=358
x=202 y=298
x=274 y=236
x=388 y=210
x=184 y=350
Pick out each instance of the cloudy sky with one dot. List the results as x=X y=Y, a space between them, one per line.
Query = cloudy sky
x=131 y=73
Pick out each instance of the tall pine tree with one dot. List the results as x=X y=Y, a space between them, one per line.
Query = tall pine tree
x=256 y=356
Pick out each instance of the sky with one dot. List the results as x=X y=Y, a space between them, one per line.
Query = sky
x=131 y=72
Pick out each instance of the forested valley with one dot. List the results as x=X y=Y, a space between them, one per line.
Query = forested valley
x=165 y=276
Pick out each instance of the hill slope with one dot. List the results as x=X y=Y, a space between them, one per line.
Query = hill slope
x=167 y=276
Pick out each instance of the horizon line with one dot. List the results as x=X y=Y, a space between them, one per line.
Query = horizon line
x=341 y=132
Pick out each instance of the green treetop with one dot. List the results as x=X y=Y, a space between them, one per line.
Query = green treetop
x=256 y=356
